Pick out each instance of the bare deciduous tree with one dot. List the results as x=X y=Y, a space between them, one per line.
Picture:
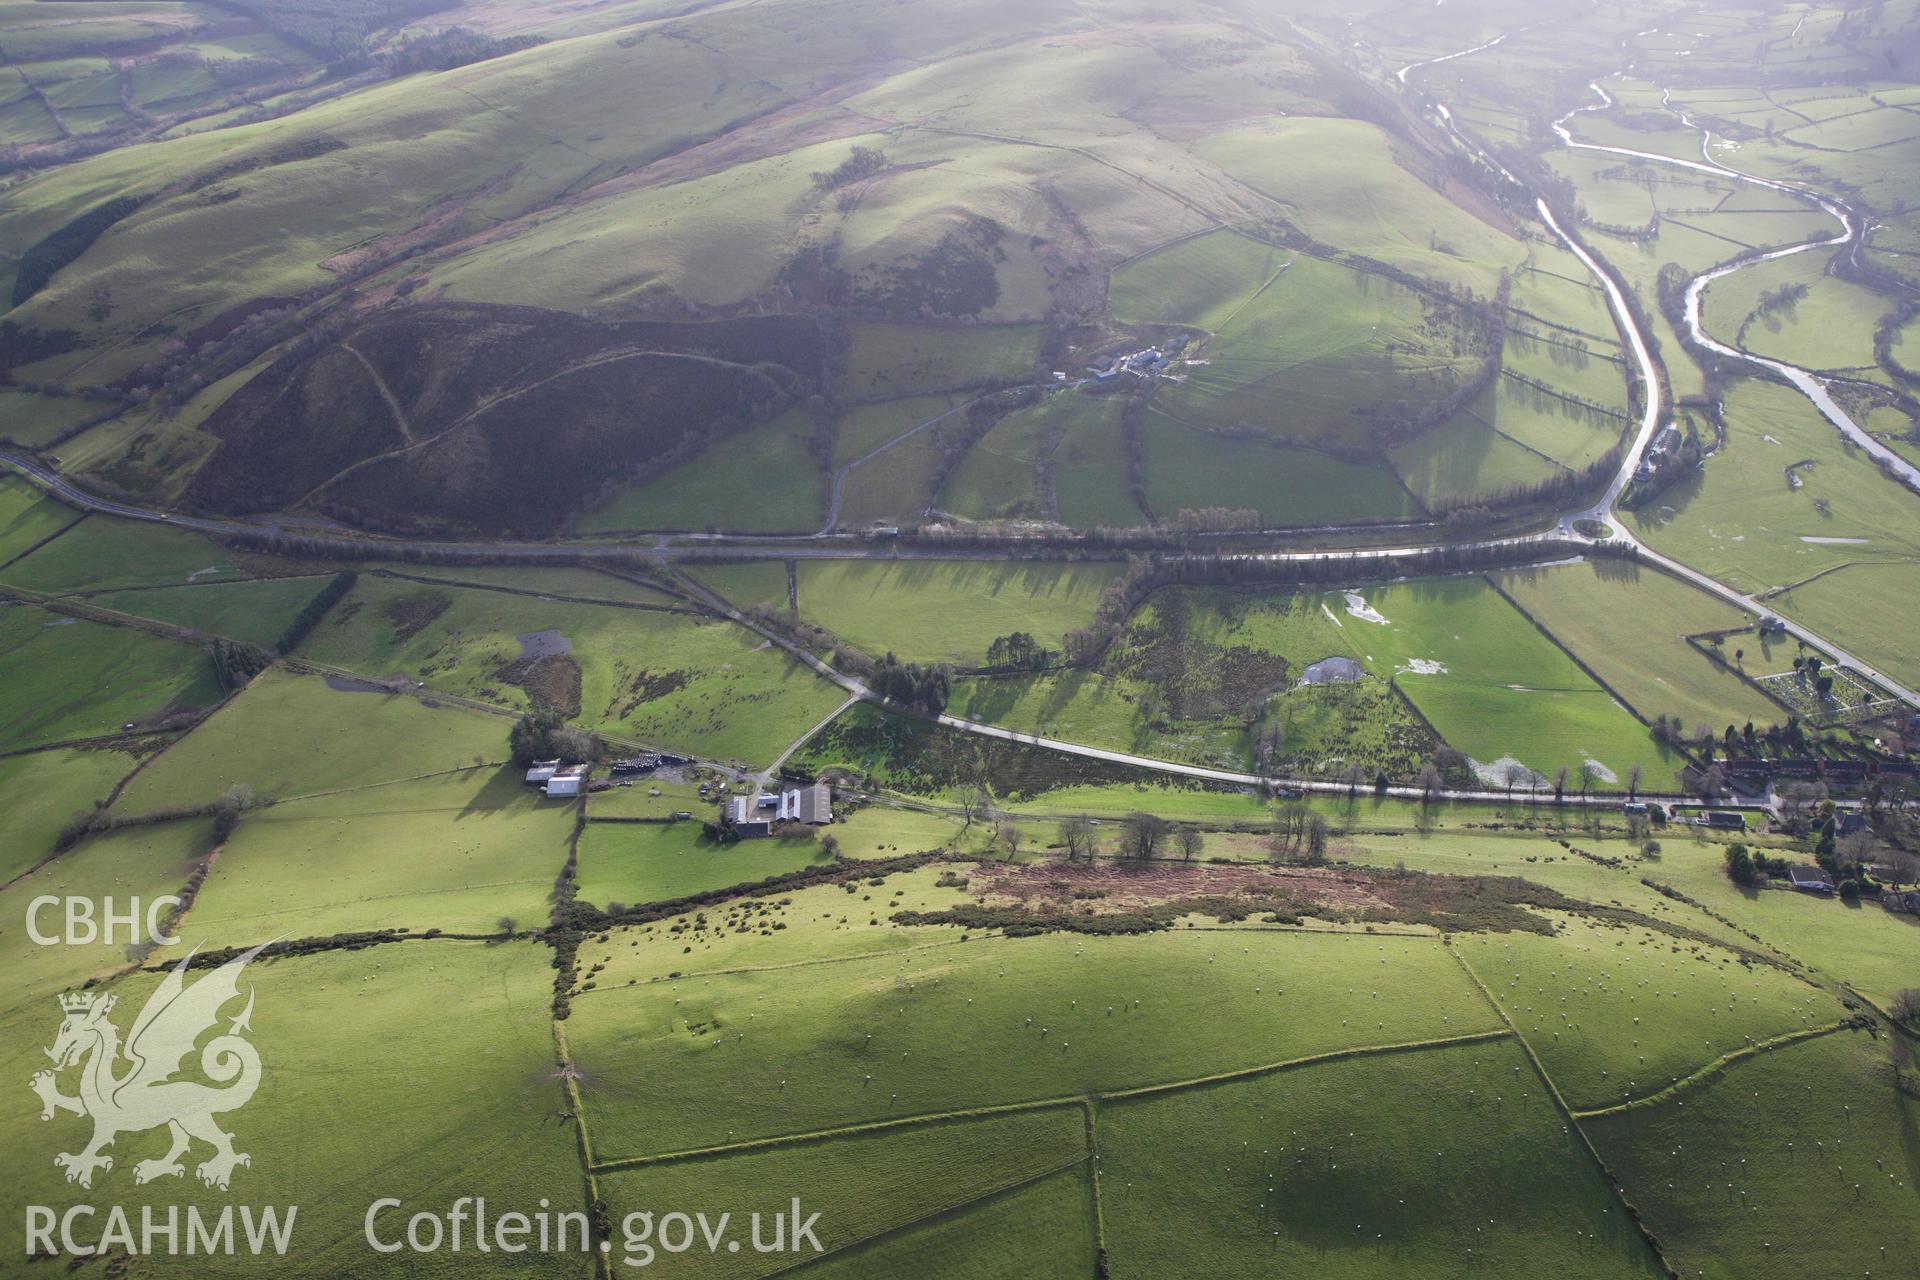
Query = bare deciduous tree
x=1316 y=838
x=974 y=803
x=1190 y=842
x=1142 y=836
x=1354 y=777
x=1077 y=835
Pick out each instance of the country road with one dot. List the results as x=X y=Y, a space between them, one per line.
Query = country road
x=1603 y=512
x=1575 y=527
x=857 y=691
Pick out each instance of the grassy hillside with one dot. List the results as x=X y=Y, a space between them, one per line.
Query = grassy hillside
x=951 y=203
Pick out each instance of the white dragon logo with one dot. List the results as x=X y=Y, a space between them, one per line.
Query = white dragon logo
x=147 y=1096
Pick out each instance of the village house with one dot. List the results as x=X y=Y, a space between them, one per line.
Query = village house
x=1809 y=879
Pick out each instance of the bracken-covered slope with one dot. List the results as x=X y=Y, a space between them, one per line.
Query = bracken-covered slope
x=478 y=415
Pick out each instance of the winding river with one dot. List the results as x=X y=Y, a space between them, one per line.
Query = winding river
x=1601 y=513
x=1851 y=233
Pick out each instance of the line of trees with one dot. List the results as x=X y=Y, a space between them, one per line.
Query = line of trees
x=1299 y=835
x=225 y=809
x=1560 y=487
x=1143 y=837
x=862 y=162
x=1017 y=651
x=236 y=662
x=309 y=618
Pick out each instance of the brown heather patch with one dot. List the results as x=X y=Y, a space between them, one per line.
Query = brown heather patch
x=553 y=682
x=411 y=615
x=1122 y=886
x=1121 y=898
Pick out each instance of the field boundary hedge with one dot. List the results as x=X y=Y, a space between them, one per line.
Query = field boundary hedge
x=13 y=560
x=1703 y=1074
x=1050 y=1104
x=1567 y=1112
x=1562 y=646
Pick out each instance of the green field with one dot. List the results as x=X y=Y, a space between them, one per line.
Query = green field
x=1321 y=356
x=1615 y=1013
x=1192 y=469
x=997 y=1188
x=27 y=517
x=41 y=790
x=1202 y=282
x=1799 y=1129
x=1506 y=692
x=677 y=680
x=1629 y=626
x=1194 y=673
x=888 y=361
x=144 y=863
x=647 y=797
x=1836 y=603
x=456 y=853
x=255 y=611
x=1344 y=182
x=572 y=328
x=1485 y=678
x=1863 y=946
x=1204 y=1007
x=865 y=427
x=1745 y=523
x=633 y=862
x=64 y=678
x=347 y=739
x=102 y=554
x=762 y=582
x=762 y=480
x=1305 y=1170
x=1092 y=477
x=481 y=1113
x=892 y=486
x=1466 y=457
x=951 y=611
x=1017 y=470
x=1831 y=327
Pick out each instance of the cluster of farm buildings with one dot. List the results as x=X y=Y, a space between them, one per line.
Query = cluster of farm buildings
x=1141 y=364
x=757 y=815
x=565 y=781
